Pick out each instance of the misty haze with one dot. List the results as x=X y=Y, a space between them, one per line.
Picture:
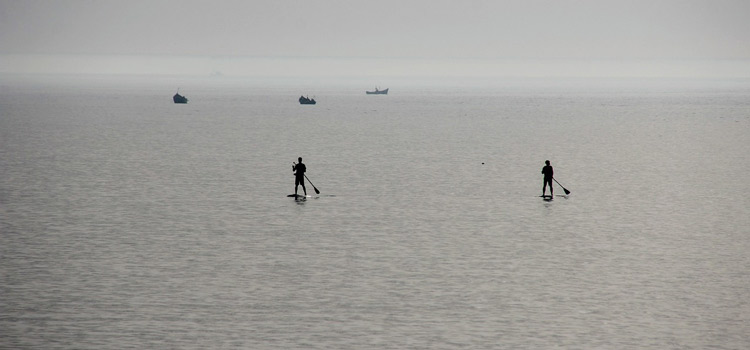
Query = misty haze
x=702 y=39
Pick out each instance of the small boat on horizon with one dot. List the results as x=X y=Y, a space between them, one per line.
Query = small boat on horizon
x=377 y=92
x=306 y=100
x=177 y=98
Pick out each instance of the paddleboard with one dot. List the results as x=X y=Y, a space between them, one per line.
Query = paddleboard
x=298 y=196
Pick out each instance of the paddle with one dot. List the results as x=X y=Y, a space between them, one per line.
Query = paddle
x=318 y=192
x=563 y=187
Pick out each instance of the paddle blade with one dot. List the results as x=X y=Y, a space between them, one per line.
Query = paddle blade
x=316 y=190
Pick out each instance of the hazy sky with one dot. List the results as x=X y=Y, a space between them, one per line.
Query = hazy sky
x=418 y=29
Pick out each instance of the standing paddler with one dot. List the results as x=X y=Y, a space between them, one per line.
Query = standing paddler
x=299 y=175
x=549 y=174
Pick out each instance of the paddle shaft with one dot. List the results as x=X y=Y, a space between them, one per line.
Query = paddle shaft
x=563 y=187
x=315 y=188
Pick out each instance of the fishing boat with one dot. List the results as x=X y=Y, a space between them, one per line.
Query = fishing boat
x=377 y=92
x=306 y=101
x=177 y=98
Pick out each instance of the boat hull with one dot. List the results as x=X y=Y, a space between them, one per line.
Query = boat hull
x=377 y=92
x=177 y=98
x=306 y=101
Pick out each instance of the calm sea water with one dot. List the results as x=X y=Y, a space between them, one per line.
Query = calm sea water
x=129 y=222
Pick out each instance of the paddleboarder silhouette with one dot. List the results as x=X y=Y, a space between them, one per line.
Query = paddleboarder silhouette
x=548 y=173
x=299 y=175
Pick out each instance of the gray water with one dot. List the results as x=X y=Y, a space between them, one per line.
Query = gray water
x=129 y=222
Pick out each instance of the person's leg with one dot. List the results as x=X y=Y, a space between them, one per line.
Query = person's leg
x=544 y=188
x=551 y=189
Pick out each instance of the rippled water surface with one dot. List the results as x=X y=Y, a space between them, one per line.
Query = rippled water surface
x=127 y=221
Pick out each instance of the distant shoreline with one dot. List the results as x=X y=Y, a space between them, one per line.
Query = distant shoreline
x=374 y=69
